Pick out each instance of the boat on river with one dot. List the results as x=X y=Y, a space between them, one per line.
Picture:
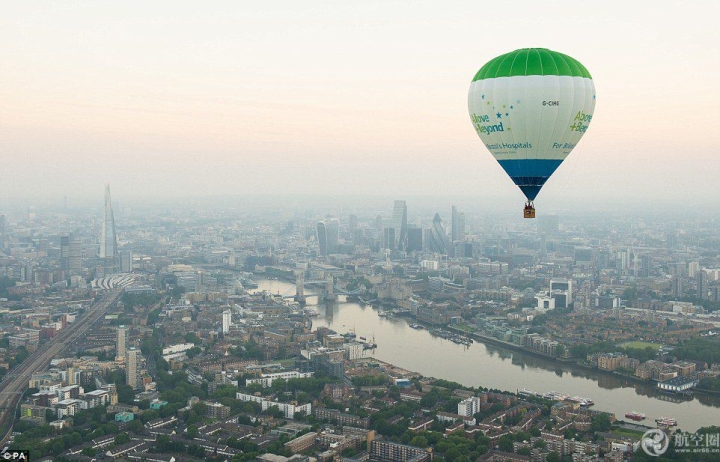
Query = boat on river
x=636 y=416
x=666 y=421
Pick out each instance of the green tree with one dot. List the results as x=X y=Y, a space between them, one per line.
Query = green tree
x=505 y=443
x=419 y=441
x=122 y=438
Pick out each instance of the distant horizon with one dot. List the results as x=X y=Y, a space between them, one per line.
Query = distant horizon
x=170 y=100
x=382 y=203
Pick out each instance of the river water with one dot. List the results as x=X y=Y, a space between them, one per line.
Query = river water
x=492 y=366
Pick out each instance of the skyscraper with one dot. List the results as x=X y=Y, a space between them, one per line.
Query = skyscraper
x=120 y=343
x=437 y=238
x=388 y=241
x=76 y=255
x=399 y=222
x=328 y=235
x=352 y=223
x=65 y=252
x=126 y=261
x=414 y=239
x=108 y=239
x=457 y=221
x=226 y=321
x=131 y=368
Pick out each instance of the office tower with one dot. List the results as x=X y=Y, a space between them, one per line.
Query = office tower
x=120 y=343
x=226 y=321
x=108 y=239
x=561 y=290
x=414 y=239
x=463 y=249
x=327 y=236
x=676 y=286
x=65 y=252
x=75 y=254
x=131 y=368
x=379 y=223
x=388 y=241
x=701 y=285
x=645 y=265
x=399 y=222
x=353 y=224
x=126 y=261
x=438 y=239
x=458 y=225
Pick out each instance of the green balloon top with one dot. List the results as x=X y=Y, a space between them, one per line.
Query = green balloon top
x=532 y=61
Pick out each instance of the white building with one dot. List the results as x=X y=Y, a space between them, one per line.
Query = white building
x=469 y=406
x=120 y=343
x=288 y=409
x=226 y=321
x=266 y=380
x=131 y=368
x=355 y=350
x=67 y=407
x=176 y=351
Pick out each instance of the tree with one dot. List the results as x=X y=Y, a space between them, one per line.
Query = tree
x=135 y=426
x=419 y=441
x=600 y=423
x=126 y=395
x=192 y=431
x=122 y=438
x=505 y=443
x=553 y=457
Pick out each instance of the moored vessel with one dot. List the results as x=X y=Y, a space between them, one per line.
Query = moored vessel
x=634 y=415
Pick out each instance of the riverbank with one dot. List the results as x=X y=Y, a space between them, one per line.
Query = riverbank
x=570 y=362
x=496 y=366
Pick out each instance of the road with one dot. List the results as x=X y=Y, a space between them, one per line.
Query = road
x=16 y=382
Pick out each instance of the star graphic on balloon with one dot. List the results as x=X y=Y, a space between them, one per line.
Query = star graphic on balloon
x=488 y=103
x=517 y=102
x=483 y=96
x=506 y=114
x=498 y=115
x=511 y=107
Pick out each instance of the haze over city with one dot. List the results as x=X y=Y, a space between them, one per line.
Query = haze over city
x=325 y=231
x=168 y=100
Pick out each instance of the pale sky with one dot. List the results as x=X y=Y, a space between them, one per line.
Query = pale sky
x=338 y=97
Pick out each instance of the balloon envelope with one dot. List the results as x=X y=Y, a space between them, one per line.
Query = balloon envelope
x=530 y=108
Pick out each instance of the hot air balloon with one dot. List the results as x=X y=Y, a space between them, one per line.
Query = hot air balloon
x=530 y=107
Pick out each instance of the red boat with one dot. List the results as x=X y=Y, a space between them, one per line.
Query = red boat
x=634 y=415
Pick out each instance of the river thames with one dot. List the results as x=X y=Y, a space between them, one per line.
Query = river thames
x=490 y=366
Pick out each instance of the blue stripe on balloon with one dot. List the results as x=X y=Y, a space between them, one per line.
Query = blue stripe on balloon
x=530 y=174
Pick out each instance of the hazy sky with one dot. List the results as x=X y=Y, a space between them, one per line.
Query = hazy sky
x=339 y=97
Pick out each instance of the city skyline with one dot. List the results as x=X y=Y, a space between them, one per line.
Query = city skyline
x=339 y=99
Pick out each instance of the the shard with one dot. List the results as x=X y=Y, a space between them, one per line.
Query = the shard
x=110 y=259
